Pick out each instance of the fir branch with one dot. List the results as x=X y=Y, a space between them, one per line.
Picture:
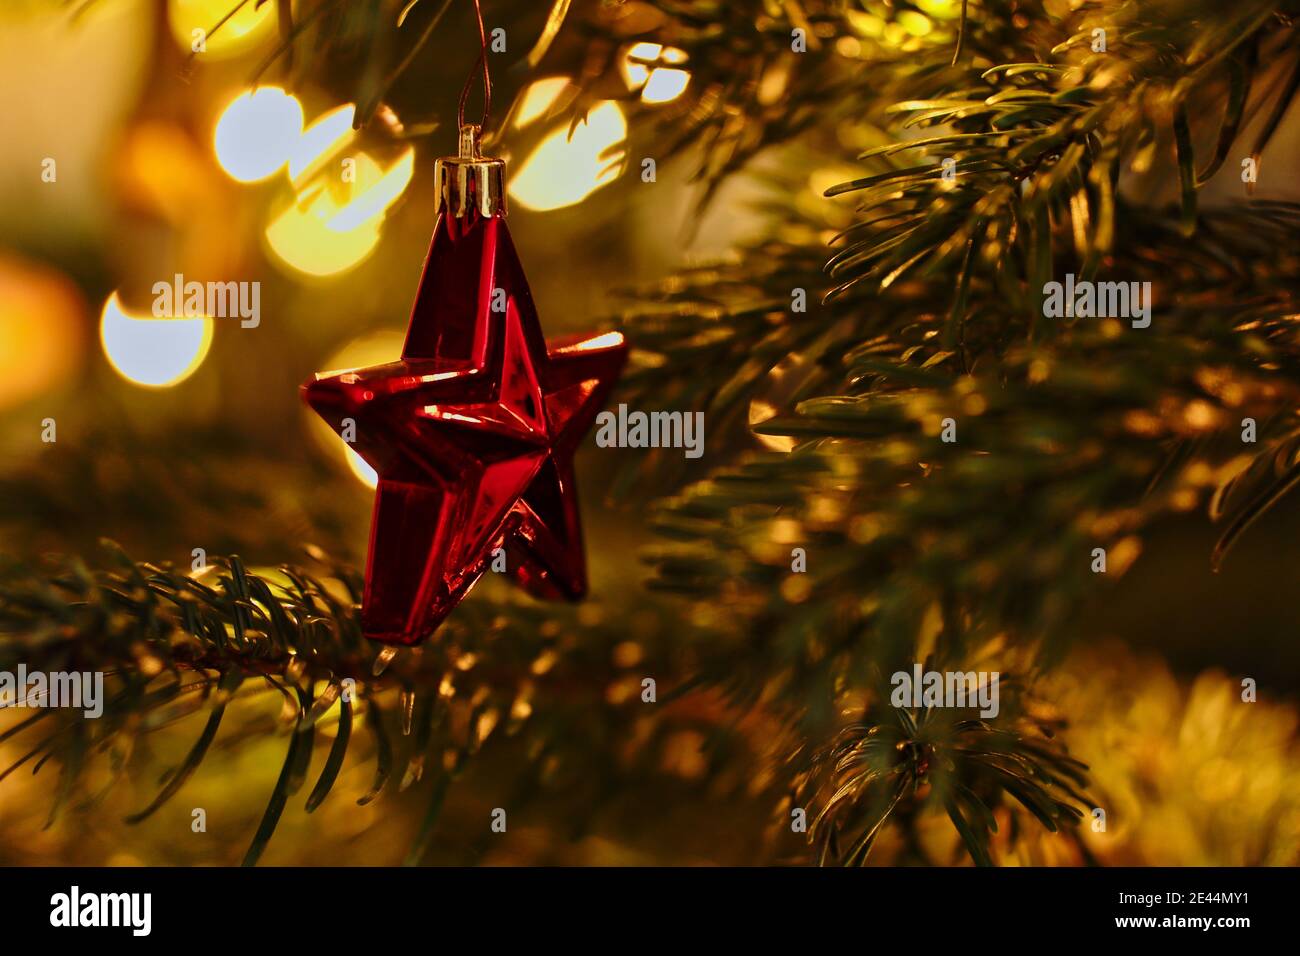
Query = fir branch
x=753 y=84
x=1040 y=142
x=174 y=645
x=896 y=761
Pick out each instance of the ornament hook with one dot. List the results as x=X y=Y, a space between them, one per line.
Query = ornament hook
x=469 y=183
x=469 y=80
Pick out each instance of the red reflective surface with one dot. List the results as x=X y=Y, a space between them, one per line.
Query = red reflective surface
x=472 y=434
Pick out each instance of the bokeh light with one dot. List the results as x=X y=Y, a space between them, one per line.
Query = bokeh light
x=333 y=225
x=328 y=135
x=156 y=353
x=664 y=86
x=376 y=195
x=886 y=27
x=163 y=172
x=565 y=169
x=258 y=133
x=538 y=98
x=361 y=468
x=377 y=348
x=41 y=339
x=658 y=84
x=250 y=26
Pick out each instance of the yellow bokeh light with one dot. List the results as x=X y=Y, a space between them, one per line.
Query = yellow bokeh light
x=374 y=349
x=866 y=24
x=361 y=468
x=371 y=203
x=192 y=23
x=664 y=86
x=257 y=133
x=41 y=338
x=635 y=73
x=944 y=9
x=538 y=98
x=657 y=84
x=915 y=23
x=339 y=201
x=564 y=170
x=326 y=136
x=156 y=353
x=301 y=238
x=334 y=225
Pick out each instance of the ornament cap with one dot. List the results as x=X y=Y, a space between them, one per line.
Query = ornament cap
x=470 y=183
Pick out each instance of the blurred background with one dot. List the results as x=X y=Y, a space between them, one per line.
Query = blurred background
x=128 y=158
x=179 y=433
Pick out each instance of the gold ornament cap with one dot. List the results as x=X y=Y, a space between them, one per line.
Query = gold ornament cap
x=470 y=183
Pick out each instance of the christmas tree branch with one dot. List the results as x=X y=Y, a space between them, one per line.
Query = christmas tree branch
x=178 y=646
x=172 y=645
x=1036 y=145
x=960 y=475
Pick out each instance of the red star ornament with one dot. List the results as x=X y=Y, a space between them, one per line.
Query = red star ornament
x=472 y=434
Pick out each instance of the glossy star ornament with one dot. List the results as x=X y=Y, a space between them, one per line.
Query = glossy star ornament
x=473 y=431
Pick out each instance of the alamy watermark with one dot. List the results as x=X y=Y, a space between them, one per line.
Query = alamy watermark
x=75 y=908
x=1098 y=300
x=216 y=300
x=78 y=690
x=637 y=429
x=946 y=689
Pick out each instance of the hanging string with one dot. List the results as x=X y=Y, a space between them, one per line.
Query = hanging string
x=487 y=76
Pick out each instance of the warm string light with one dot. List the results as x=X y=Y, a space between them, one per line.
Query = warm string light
x=41 y=337
x=572 y=163
x=568 y=166
x=327 y=228
x=642 y=69
x=212 y=29
x=153 y=352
